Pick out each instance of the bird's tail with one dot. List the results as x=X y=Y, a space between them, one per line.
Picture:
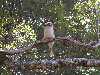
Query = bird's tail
x=51 y=53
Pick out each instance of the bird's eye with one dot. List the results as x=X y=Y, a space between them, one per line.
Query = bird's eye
x=49 y=25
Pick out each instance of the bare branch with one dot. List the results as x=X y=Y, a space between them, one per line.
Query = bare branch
x=58 y=63
x=67 y=41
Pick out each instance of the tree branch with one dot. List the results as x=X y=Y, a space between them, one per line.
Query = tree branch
x=67 y=41
x=59 y=63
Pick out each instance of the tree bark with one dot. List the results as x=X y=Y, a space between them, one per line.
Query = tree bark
x=66 y=41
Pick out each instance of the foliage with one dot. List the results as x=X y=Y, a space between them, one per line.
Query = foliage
x=15 y=34
x=21 y=23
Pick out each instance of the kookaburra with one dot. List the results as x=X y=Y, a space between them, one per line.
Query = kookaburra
x=49 y=35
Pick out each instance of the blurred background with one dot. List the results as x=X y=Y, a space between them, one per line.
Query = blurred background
x=21 y=23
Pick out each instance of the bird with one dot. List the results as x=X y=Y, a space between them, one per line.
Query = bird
x=49 y=35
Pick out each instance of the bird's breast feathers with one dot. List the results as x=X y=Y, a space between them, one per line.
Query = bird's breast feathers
x=49 y=32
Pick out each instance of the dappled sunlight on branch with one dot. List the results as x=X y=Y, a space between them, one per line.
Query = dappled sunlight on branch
x=66 y=41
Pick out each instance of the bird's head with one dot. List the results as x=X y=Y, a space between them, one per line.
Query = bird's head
x=48 y=25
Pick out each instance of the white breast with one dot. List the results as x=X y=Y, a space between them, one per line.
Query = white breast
x=49 y=32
